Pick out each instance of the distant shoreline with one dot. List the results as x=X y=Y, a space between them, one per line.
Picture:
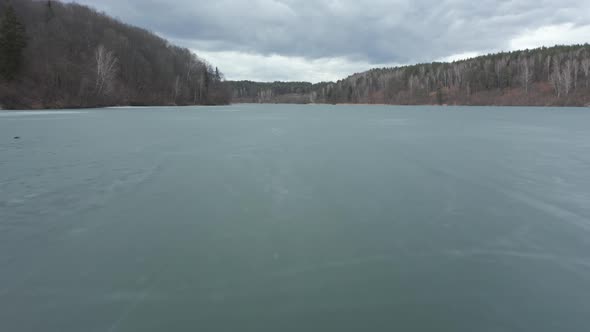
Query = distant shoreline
x=3 y=110
x=102 y=107
x=410 y=105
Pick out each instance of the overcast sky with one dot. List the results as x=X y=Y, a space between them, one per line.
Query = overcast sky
x=316 y=40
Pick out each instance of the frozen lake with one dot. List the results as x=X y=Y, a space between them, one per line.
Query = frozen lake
x=295 y=218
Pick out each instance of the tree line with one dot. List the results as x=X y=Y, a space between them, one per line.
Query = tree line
x=56 y=55
x=558 y=75
x=275 y=92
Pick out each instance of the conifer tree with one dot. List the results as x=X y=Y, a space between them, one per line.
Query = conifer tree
x=13 y=41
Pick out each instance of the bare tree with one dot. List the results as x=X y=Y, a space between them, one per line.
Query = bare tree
x=576 y=71
x=413 y=83
x=548 y=67
x=487 y=70
x=586 y=68
x=499 y=66
x=176 y=87
x=566 y=76
x=526 y=72
x=106 y=70
x=555 y=77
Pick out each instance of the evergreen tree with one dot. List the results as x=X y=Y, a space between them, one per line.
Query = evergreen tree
x=13 y=41
x=49 y=14
x=217 y=75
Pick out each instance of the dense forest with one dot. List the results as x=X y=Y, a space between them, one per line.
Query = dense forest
x=56 y=55
x=557 y=75
x=277 y=92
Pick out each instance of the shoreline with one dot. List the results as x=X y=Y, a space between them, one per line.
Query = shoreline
x=120 y=107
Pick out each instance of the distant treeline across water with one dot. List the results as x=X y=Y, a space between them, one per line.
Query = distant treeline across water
x=555 y=76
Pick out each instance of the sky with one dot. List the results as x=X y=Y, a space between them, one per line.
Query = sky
x=327 y=40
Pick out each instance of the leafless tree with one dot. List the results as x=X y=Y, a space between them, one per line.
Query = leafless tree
x=106 y=70
x=548 y=67
x=500 y=65
x=487 y=70
x=526 y=72
x=176 y=88
x=413 y=83
x=555 y=78
x=576 y=71
x=566 y=76
x=586 y=68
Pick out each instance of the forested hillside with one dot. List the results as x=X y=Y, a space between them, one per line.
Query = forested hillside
x=56 y=55
x=275 y=92
x=558 y=75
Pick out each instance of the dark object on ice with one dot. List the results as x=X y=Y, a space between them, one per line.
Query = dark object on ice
x=16 y=137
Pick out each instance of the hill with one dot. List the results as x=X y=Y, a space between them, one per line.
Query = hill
x=275 y=92
x=73 y=56
x=555 y=76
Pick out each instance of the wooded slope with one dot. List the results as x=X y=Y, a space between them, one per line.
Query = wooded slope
x=75 y=56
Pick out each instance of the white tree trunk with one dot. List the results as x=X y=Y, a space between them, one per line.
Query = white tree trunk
x=106 y=70
x=526 y=73
x=555 y=78
x=586 y=68
x=176 y=88
x=566 y=76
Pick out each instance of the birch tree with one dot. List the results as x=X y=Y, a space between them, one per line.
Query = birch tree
x=526 y=72
x=576 y=72
x=566 y=76
x=586 y=68
x=176 y=88
x=548 y=67
x=106 y=70
x=499 y=66
x=555 y=77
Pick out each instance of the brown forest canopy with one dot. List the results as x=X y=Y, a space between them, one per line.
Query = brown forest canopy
x=78 y=57
x=557 y=75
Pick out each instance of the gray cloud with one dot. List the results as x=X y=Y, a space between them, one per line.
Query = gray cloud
x=378 y=30
x=373 y=31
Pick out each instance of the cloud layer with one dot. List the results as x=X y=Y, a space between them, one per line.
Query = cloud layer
x=325 y=35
